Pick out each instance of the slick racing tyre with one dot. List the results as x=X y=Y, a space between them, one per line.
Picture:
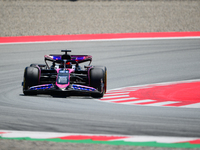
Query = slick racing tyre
x=31 y=78
x=98 y=81
x=105 y=76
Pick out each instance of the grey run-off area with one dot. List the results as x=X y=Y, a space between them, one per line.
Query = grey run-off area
x=46 y=17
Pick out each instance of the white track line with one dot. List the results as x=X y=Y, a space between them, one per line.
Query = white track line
x=115 y=94
x=197 y=105
x=122 y=99
x=159 y=139
x=162 y=103
x=114 y=97
x=137 y=102
x=114 y=39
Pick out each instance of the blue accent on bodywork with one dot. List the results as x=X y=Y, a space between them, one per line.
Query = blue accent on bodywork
x=79 y=87
x=42 y=87
x=57 y=57
x=78 y=58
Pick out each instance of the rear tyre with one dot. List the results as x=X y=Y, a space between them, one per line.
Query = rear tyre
x=97 y=78
x=31 y=78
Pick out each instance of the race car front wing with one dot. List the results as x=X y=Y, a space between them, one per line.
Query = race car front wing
x=73 y=89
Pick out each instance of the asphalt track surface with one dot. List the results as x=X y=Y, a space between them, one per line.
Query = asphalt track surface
x=129 y=63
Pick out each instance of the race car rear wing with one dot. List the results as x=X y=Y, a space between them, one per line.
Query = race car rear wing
x=75 y=59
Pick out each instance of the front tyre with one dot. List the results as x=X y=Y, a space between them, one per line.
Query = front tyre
x=31 y=78
x=105 y=76
x=97 y=80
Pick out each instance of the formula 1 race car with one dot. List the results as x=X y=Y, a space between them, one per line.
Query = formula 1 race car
x=65 y=76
